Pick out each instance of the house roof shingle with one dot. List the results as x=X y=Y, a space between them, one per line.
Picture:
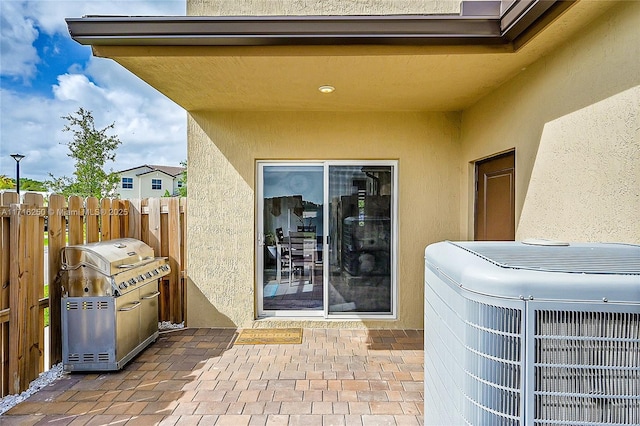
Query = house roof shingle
x=169 y=170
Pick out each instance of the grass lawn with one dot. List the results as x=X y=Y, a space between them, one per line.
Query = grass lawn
x=46 y=238
x=46 y=310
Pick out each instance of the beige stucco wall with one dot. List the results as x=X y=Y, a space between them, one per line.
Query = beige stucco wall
x=585 y=184
x=572 y=117
x=574 y=122
x=316 y=7
x=223 y=149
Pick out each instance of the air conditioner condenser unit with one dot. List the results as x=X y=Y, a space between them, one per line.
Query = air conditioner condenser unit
x=532 y=333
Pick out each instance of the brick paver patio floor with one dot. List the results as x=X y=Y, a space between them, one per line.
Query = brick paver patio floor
x=198 y=377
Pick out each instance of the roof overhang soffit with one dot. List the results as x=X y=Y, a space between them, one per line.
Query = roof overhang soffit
x=512 y=28
x=377 y=63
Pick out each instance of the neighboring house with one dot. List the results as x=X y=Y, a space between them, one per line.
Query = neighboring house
x=313 y=206
x=149 y=181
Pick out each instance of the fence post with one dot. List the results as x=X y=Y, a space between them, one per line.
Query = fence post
x=6 y=200
x=21 y=327
x=17 y=305
x=175 y=310
x=153 y=238
x=135 y=219
x=124 y=211
x=115 y=218
x=155 y=231
x=35 y=242
x=105 y=221
x=92 y=212
x=183 y=257
x=76 y=211
x=56 y=228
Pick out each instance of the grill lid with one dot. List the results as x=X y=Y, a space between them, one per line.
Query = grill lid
x=108 y=257
x=109 y=268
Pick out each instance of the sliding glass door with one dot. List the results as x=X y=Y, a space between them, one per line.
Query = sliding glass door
x=291 y=238
x=326 y=239
x=360 y=235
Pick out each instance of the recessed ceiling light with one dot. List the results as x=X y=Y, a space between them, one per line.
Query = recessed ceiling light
x=326 y=89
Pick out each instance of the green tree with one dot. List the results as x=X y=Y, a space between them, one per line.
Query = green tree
x=26 y=184
x=6 y=182
x=32 y=185
x=90 y=148
x=182 y=191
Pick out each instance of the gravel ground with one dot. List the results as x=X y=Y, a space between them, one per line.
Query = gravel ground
x=166 y=325
x=53 y=374
x=43 y=380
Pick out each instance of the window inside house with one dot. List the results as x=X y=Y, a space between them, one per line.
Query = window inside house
x=127 y=183
x=156 y=183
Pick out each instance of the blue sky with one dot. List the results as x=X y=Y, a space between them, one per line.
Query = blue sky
x=45 y=75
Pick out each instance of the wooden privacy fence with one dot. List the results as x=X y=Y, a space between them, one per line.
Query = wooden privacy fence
x=159 y=222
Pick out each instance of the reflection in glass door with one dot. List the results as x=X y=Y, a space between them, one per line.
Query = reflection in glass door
x=326 y=239
x=360 y=234
x=292 y=229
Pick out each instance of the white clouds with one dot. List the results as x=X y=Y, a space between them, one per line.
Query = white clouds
x=32 y=126
x=51 y=14
x=76 y=87
x=18 y=57
x=152 y=128
x=146 y=122
x=20 y=22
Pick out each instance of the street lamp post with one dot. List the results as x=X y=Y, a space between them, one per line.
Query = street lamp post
x=17 y=157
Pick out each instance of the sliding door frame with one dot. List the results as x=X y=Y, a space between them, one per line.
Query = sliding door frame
x=259 y=242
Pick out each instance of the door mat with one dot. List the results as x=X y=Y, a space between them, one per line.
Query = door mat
x=269 y=336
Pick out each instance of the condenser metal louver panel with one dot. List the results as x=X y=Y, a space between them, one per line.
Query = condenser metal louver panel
x=515 y=335
x=584 y=367
x=493 y=344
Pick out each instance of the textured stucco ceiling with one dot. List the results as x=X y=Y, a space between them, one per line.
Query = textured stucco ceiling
x=366 y=78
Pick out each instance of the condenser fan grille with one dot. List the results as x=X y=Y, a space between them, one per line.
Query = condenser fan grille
x=493 y=364
x=587 y=368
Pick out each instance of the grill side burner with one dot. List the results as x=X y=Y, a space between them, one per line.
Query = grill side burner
x=109 y=303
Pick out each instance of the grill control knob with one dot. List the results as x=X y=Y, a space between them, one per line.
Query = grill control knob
x=140 y=278
x=132 y=281
x=155 y=272
x=148 y=274
x=122 y=285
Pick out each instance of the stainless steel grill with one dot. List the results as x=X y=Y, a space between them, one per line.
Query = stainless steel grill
x=109 y=303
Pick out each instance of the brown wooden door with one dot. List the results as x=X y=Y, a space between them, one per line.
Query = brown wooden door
x=495 y=199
